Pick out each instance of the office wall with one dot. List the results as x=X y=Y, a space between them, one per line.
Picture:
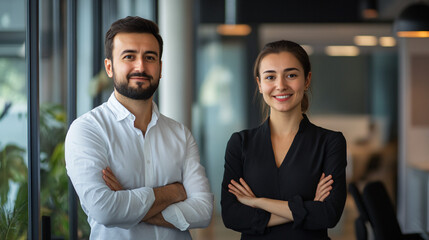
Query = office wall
x=413 y=168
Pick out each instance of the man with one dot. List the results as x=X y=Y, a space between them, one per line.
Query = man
x=137 y=173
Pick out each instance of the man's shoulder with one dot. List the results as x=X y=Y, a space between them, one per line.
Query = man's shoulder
x=96 y=116
x=165 y=121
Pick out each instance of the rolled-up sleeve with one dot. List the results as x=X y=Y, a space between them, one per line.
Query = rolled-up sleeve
x=196 y=211
x=86 y=155
x=236 y=215
x=314 y=215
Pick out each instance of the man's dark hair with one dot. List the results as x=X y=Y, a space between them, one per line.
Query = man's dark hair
x=131 y=25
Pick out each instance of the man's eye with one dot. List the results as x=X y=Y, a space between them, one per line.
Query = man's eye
x=150 y=58
x=128 y=57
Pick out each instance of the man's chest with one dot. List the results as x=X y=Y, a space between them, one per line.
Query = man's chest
x=146 y=162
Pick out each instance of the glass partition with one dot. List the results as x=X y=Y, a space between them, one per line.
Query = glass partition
x=13 y=122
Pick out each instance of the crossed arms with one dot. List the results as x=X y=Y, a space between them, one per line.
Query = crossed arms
x=280 y=211
x=164 y=197
x=88 y=153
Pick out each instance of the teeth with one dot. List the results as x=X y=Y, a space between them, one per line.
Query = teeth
x=283 y=97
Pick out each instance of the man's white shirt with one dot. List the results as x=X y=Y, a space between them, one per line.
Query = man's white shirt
x=167 y=153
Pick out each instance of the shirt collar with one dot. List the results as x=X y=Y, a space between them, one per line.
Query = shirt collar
x=122 y=112
x=302 y=125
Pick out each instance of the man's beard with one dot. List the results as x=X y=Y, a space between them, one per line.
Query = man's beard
x=137 y=93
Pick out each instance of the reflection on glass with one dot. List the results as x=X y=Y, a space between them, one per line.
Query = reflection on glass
x=52 y=113
x=13 y=122
x=220 y=91
x=13 y=145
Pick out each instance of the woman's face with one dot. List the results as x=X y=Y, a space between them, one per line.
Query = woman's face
x=282 y=82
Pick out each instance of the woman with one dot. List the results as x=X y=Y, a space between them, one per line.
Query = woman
x=274 y=184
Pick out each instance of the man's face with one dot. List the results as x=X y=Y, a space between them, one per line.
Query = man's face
x=135 y=65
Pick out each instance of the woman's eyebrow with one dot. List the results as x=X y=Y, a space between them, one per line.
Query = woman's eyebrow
x=269 y=71
x=290 y=69
x=285 y=70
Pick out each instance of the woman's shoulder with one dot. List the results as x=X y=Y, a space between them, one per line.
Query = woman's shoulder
x=328 y=134
x=250 y=132
x=246 y=135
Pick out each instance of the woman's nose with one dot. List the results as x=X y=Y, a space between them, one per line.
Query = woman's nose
x=281 y=84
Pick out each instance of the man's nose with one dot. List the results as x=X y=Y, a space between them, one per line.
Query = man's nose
x=139 y=65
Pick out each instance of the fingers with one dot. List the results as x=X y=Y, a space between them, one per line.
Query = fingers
x=248 y=190
x=110 y=180
x=324 y=196
x=240 y=189
x=237 y=188
x=323 y=180
x=324 y=187
x=321 y=177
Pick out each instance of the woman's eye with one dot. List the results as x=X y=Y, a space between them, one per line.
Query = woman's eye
x=292 y=75
x=269 y=77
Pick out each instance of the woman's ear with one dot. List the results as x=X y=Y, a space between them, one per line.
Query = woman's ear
x=308 y=81
x=259 y=84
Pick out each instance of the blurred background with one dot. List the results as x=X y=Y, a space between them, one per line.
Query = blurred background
x=367 y=82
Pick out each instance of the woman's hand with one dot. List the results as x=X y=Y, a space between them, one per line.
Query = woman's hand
x=243 y=192
x=323 y=188
x=110 y=180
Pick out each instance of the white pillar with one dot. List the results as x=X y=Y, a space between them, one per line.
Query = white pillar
x=176 y=84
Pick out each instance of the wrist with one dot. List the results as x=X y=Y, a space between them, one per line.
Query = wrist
x=257 y=202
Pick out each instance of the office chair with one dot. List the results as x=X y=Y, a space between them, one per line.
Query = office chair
x=381 y=213
x=360 y=222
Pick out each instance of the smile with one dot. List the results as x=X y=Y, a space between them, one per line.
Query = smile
x=283 y=96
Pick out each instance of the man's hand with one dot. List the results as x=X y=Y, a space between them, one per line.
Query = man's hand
x=110 y=180
x=164 y=196
x=176 y=190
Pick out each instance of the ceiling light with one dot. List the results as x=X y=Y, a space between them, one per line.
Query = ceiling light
x=231 y=28
x=234 y=29
x=413 y=21
x=365 y=40
x=387 y=41
x=348 y=51
x=369 y=9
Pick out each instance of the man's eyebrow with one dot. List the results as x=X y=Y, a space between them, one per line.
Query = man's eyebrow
x=128 y=51
x=151 y=52
x=134 y=51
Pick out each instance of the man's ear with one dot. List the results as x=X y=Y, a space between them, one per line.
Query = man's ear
x=109 y=67
x=160 y=69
